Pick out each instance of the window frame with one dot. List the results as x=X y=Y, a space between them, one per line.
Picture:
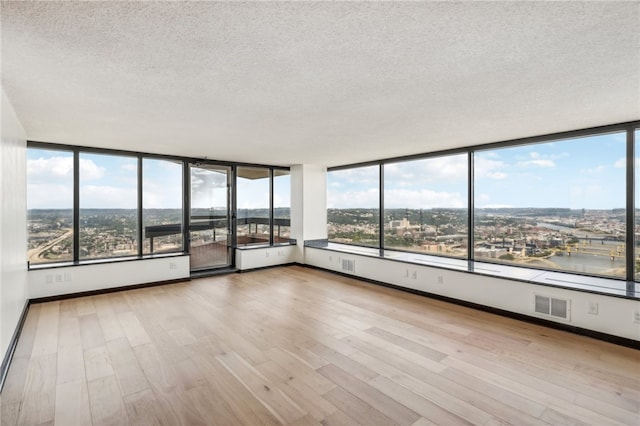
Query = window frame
x=76 y=150
x=62 y=148
x=629 y=128
x=380 y=188
x=384 y=207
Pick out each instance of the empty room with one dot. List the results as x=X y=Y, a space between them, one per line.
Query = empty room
x=320 y=213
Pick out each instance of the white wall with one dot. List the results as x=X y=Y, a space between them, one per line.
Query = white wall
x=615 y=315
x=13 y=223
x=308 y=205
x=263 y=257
x=78 y=279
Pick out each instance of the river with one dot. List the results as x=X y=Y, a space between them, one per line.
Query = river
x=582 y=262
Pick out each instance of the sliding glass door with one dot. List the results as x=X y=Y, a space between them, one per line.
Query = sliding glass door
x=209 y=217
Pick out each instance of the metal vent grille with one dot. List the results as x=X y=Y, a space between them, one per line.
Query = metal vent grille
x=348 y=265
x=543 y=305
x=551 y=306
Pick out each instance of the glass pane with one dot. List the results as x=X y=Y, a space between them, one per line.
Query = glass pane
x=637 y=202
x=557 y=205
x=161 y=206
x=425 y=205
x=253 y=206
x=108 y=206
x=353 y=206
x=209 y=219
x=49 y=206
x=281 y=206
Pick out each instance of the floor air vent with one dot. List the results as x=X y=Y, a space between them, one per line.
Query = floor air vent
x=558 y=308
x=348 y=265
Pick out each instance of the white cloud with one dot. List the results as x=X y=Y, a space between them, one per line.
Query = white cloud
x=449 y=168
x=622 y=163
x=281 y=199
x=50 y=181
x=54 y=169
x=488 y=168
x=482 y=201
x=542 y=163
x=424 y=198
x=362 y=175
x=353 y=199
x=482 y=198
x=49 y=196
x=157 y=195
x=90 y=170
x=537 y=160
x=559 y=156
x=107 y=197
x=594 y=170
x=497 y=175
x=208 y=188
x=496 y=206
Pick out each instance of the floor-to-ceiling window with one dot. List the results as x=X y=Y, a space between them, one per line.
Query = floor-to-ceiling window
x=551 y=203
x=281 y=206
x=89 y=205
x=108 y=205
x=557 y=205
x=162 y=197
x=253 y=205
x=426 y=205
x=49 y=205
x=353 y=206
x=637 y=206
x=209 y=227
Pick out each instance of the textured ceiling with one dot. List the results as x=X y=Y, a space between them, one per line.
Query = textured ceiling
x=316 y=83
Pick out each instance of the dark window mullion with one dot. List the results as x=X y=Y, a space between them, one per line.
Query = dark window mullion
x=630 y=235
x=381 y=209
x=140 y=206
x=76 y=206
x=186 y=206
x=233 y=193
x=470 y=207
x=271 y=208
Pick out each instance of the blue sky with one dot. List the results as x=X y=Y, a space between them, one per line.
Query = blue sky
x=111 y=182
x=578 y=173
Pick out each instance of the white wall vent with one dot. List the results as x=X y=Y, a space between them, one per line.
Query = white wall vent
x=551 y=306
x=348 y=265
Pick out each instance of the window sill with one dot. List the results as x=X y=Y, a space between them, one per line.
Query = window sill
x=87 y=262
x=266 y=245
x=589 y=284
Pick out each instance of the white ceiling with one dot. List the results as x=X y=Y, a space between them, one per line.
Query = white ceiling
x=316 y=83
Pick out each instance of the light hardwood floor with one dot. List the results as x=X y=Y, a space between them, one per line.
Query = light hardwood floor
x=298 y=346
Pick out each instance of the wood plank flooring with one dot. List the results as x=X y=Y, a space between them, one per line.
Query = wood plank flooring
x=297 y=346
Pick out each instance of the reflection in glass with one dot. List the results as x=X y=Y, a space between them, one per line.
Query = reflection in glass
x=209 y=217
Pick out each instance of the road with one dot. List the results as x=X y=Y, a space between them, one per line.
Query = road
x=34 y=255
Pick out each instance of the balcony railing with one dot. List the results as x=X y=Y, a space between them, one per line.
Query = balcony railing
x=204 y=223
